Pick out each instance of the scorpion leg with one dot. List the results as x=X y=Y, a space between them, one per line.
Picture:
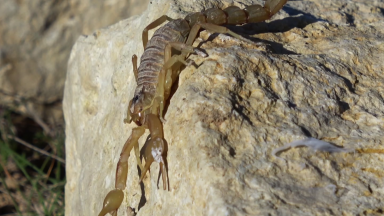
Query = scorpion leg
x=114 y=198
x=215 y=29
x=129 y=117
x=171 y=61
x=134 y=63
x=165 y=77
x=155 y=148
x=135 y=72
x=222 y=30
x=193 y=34
x=153 y=25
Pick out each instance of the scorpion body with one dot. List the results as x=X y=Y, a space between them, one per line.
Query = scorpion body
x=158 y=70
x=152 y=59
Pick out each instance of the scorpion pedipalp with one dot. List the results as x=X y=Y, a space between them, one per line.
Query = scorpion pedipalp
x=155 y=148
x=112 y=202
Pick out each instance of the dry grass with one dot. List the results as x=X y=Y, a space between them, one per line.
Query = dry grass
x=32 y=175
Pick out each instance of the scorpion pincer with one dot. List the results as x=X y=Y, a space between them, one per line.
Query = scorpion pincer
x=158 y=70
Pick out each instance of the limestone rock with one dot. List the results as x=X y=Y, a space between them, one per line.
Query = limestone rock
x=307 y=74
x=36 y=38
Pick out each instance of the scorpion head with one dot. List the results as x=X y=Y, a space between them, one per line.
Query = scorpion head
x=138 y=107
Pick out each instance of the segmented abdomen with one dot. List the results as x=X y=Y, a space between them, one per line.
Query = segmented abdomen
x=152 y=60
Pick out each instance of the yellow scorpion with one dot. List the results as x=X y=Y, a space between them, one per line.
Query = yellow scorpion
x=158 y=70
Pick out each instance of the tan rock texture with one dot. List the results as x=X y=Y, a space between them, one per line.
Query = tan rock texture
x=314 y=70
x=36 y=38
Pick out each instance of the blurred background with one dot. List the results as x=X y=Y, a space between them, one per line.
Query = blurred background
x=36 y=37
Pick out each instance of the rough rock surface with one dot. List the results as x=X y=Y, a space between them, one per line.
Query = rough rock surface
x=319 y=75
x=36 y=38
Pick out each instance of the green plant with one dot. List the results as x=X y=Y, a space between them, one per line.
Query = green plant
x=31 y=183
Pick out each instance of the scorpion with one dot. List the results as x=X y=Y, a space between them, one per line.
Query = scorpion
x=155 y=76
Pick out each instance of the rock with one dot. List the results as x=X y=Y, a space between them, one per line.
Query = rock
x=315 y=76
x=35 y=41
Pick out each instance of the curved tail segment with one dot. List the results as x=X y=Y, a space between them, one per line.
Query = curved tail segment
x=273 y=6
x=235 y=16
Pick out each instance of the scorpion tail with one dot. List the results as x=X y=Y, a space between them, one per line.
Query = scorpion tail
x=235 y=16
x=274 y=5
x=255 y=13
